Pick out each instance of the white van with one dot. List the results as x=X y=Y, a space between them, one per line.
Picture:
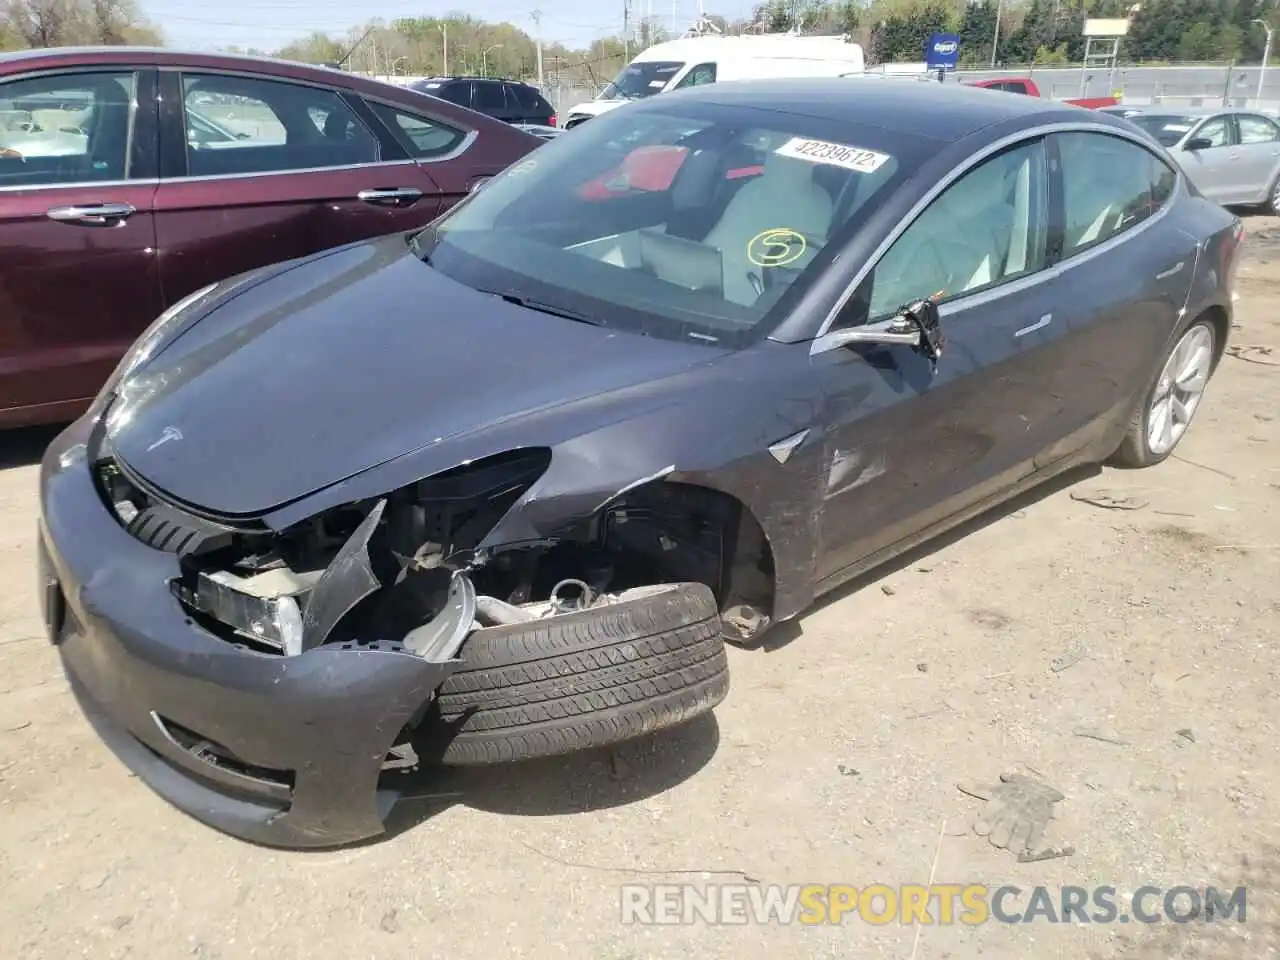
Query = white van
x=715 y=59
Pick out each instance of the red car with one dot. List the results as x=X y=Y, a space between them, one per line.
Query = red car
x=132 y=178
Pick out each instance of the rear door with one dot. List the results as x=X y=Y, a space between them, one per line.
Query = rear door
x=440 y=149
x=307 y=169
x=1259 y=153
x=1122 y=275
x=78 y=278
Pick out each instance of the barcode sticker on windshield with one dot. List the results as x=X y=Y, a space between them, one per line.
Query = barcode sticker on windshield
x=837 y=154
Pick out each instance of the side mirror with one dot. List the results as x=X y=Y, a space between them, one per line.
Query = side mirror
x=1198 y=143
x=917 y=325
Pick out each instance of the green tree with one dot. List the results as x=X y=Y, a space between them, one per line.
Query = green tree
x=977 y=32
x=1198 y=43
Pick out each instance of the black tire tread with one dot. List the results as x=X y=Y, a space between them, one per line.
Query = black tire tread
x=587 y=679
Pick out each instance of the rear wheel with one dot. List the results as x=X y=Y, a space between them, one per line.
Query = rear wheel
x=652 y=658
x=1163 y=417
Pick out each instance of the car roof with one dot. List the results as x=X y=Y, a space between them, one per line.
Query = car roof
x=464 y=76
x=937 y=111
x=56 y=57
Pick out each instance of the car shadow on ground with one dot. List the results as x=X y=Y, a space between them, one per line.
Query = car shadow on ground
x=24 y=446
x=578 y=783
x=786 y=633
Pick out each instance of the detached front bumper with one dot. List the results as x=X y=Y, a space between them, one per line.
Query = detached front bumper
x=284 y=751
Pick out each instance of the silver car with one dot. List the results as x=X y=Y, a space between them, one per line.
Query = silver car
x=1232 y=155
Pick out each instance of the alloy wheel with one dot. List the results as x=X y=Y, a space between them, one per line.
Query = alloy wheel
x=1179 y=390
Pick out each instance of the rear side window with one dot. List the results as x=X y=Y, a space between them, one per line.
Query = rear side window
x=1109 y=185
x=427 y=137
x=247 y=125
x=458 y=92
x=489 y=97
x=701 y=74
x=530 y=99
x=72 y=129
x=1255 y=129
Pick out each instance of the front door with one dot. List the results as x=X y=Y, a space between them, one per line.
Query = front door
x=1215 y=168
x=298 y=171
x=910 y=445
x=78 y=279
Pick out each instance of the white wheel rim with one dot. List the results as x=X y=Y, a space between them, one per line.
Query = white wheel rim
x=1179 y=389
x=1275 y=196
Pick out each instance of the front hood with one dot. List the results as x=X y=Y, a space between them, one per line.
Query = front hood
x=594 y=108
x=348 y=360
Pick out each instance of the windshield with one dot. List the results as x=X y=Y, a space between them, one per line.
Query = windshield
x=640 y=80
x=706 y=225
x=1169 y=129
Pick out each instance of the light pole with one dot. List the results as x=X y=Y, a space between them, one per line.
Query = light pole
x=484 y=58
x=995 y=38
x=1266 y=55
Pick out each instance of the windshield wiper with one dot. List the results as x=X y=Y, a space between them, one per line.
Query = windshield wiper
x=528 y=304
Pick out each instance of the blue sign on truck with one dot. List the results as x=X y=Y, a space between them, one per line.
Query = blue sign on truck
x=942 y=51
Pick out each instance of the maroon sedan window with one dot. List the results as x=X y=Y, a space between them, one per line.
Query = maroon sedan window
x=70 y=129
x=429 y=138
x=273 y=126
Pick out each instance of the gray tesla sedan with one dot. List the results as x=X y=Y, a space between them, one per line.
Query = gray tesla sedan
x=502 y=487
x=1231 y=155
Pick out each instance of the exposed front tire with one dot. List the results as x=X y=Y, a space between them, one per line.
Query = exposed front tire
x=1165 y=413
x=654 y=658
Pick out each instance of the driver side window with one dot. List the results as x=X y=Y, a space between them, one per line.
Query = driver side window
x=987 y=228
x=1215 y=131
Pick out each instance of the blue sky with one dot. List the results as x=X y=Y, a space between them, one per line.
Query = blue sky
x=269 y=24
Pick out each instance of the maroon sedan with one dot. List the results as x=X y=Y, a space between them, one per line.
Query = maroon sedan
x=131 y=178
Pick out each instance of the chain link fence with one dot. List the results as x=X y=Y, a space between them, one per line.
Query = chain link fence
x=1184 y=85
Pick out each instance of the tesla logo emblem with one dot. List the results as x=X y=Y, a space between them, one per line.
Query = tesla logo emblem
x=167 y=434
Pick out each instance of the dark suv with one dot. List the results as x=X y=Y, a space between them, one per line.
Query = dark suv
x=507 y=100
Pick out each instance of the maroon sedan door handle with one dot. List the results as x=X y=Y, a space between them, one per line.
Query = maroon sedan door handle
x=92 y=214
x=391 y=197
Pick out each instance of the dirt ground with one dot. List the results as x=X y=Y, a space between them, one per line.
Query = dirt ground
x=834 y=759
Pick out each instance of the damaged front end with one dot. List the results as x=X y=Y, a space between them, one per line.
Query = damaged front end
x=407 y=568
x=384 y=571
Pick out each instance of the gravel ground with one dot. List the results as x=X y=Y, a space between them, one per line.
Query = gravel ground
x=834 y=759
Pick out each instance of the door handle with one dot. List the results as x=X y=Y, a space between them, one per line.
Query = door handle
x=92 y=214
x=1038 y=325
x=1166 y=274
x=391 y=196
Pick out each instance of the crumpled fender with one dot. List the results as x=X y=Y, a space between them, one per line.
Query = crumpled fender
x=604 y=446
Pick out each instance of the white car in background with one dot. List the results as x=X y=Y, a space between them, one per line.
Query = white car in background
x=694 y=61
